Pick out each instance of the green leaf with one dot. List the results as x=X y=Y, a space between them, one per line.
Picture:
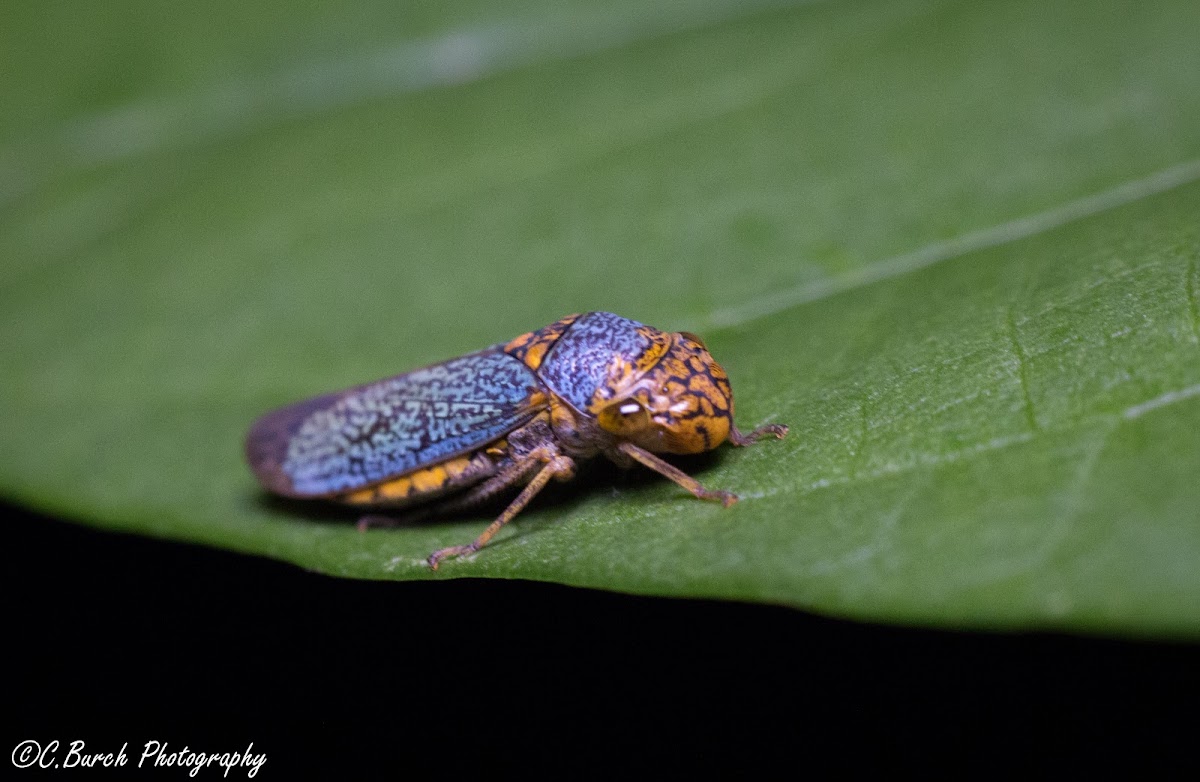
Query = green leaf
x=953 y=245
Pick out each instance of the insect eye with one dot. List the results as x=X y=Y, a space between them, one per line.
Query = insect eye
x=625 y=417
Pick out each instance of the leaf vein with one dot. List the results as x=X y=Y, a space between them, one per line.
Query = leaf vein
x=1022 y=372
x=1171 y=397
x=1123 y=194
x=1192 y=284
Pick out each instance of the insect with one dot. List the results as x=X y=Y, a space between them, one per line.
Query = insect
x=515 y=414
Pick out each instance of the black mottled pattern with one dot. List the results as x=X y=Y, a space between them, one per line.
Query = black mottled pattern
x=386 y=429
x=579 y=362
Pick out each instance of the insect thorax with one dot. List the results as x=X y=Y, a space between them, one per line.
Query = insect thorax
x=616 y=379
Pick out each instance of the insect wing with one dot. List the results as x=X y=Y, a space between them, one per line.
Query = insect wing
x=353 y=439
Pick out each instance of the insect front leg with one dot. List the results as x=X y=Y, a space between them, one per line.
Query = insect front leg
x=554 y=464
x=779 y=431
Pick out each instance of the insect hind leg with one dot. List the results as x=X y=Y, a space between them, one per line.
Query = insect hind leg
x=375 y=521
x=554 y=464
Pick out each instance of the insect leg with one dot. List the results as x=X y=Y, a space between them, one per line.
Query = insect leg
x=517 y=472
x=556 y=466
x=674 y=473
x=514 y=472
x=375 y=521
x=737 y=438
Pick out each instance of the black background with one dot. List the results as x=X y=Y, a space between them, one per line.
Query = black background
x=120 y=638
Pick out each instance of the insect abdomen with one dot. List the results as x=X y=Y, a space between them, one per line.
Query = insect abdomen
x=426 y=483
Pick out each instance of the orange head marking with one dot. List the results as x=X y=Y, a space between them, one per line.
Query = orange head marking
x=682 y=403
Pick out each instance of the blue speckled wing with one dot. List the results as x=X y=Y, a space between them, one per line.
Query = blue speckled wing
x=382 y=430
